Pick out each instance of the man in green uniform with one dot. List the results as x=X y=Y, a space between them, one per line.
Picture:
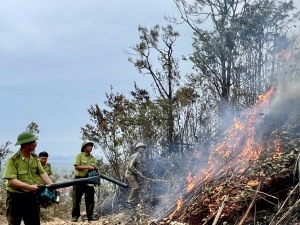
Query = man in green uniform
x=19 y=172
x=133 y=171
x=84 y=162
x=43 y=157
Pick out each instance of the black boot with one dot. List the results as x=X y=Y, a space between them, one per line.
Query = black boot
x=74 y=219
x=92 y=218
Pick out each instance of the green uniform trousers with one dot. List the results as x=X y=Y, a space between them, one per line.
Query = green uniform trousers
x=134 y=196
x=22 y=206
x=89 y=194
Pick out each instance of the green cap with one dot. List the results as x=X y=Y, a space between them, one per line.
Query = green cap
x=85 y=143
x=26 y=137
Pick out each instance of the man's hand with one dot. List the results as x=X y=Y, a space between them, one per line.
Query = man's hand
x=33 y=187
x=91 y=168
x=141 y=175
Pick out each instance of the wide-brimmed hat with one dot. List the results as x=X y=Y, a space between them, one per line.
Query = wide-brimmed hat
x=140 y=144
x=86 y=143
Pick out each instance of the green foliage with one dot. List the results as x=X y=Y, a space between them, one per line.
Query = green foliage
x=234 y=60
x=4 y=152
x=33 y=127
x=236 y=47
x=111 y=129
x=158 y=44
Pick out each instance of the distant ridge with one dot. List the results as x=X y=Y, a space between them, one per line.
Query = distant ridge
x=61 y=160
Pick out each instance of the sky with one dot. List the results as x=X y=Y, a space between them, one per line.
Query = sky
x=59 y=57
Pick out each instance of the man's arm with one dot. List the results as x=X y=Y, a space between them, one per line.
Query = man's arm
x=50 y=171
x=79 y=168
x=19 y=184
x=131 y=166
x=46 y=178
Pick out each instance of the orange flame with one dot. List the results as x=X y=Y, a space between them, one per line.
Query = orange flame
x=277 y=153
x=241 y=137
x=190 y=181
x=239 y=146
x=253 y=183
x=179 y=205
x=238 y=125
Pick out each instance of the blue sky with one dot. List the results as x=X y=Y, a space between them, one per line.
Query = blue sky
x=59 y=57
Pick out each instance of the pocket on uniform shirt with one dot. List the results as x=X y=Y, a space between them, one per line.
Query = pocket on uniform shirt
x=23 y=175
x=23 y=172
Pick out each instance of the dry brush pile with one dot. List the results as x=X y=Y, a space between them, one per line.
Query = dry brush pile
x=258 y=190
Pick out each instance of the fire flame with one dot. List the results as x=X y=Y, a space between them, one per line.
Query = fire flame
x=239 y=146
x=241 y=137
x=179 y=205
x=277 y=153
x=190 y=181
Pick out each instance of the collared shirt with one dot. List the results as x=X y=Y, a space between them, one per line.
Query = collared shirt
x=134 y=166
x=48 y=170
x=84 y=159
x=18 y=167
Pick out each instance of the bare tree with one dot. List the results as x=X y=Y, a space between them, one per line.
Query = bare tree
x=158 y=61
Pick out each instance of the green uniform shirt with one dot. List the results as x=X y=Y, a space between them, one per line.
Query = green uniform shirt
x=134 y=166
x=48 y=170
x=83 y=159
x=18 y=167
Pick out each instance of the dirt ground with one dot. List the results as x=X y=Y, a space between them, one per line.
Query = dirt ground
x=120 y=219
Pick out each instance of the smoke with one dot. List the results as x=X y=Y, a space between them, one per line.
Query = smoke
x=284 y=109
x=286 y=102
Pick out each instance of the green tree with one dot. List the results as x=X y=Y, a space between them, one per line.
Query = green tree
x=33 y=127
x=149 y=119
x=4 y=151
x=154 y=56
x=110 y=128
x=234 y=46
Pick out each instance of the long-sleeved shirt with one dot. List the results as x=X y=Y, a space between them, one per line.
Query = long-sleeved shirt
x=134 y=166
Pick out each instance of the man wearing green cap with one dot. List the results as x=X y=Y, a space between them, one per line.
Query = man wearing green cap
x=19 y=173
x=133 y=171
x=84 y=162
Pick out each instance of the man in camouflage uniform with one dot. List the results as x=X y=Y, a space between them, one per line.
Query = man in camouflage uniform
x=133 y=171
x=84 y=162
x=19 y=172
x=43 y=157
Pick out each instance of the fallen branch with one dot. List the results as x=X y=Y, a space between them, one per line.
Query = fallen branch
x=283 y=204
x=251 y=205
x=220 y=210
x=288 y=212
